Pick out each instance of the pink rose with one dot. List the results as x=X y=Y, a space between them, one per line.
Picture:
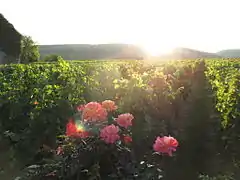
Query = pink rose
x=110 y=134
x=80 y=108
x=94 y=111
x=125 y=120
x=127 y=139
x=165 y=145
x=109 y=105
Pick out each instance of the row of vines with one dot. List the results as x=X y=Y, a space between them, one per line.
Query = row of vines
x=224 y=78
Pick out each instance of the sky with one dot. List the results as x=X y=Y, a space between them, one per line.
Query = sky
x=156 y=25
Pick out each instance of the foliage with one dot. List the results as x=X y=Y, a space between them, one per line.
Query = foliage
x=171 y=97
x=10 y=39
x=92 y=159
x=224 y=77
x=52 y=58
x=29 y=50
x=35 y=103
x=155 y=94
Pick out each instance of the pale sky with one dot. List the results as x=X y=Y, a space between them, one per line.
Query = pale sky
x=156 y=25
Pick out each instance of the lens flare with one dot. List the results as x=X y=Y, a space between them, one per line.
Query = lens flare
x=80 y=127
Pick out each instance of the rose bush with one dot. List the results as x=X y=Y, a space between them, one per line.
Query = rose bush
x=98 y=146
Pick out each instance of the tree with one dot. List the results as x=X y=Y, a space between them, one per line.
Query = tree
x=10 y=40
x=52 y=58
x=29 y=50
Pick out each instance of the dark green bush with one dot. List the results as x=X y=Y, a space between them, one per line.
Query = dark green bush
x=93 y=159
x=52 y=58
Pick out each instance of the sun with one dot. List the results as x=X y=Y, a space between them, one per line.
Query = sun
x=156 y=49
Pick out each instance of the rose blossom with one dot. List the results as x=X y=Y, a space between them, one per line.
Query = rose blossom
x=127 y=139
x=166 y=144
x=109 y=105
x=94 y=111
x=71 y=128
x=125 y=120
x=110 y=134
x=80 y=108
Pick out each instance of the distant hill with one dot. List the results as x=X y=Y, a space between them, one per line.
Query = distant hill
x=230 y=53
x=88 y=51
x=116 y=51
x=186 y=53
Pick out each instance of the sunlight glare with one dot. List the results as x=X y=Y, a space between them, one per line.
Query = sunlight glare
x=156 y=49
